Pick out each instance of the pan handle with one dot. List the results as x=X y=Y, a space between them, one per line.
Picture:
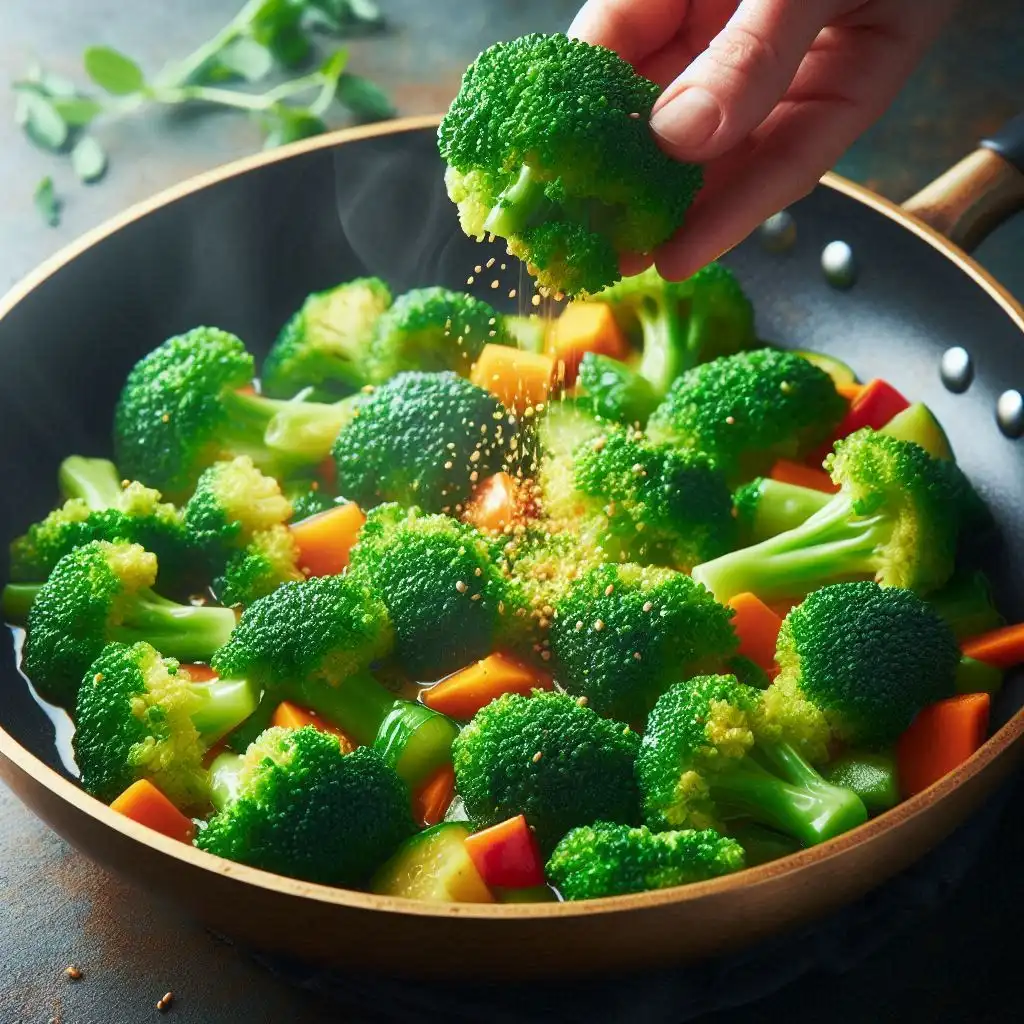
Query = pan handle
x=974 y=197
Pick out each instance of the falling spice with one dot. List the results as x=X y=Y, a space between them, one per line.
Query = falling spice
x=74 y=973
x=163 y=1004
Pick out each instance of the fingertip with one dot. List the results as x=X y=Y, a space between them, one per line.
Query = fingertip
x=633 y=263
x=685 y=125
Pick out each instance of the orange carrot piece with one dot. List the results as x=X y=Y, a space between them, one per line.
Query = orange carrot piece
x=431 y=800
x=290 y=716
x=248 y=389
x=757 y=627
x=494 y=503
x=1002 y=647
x=463 y=694
x=144 y=803
x=851 y=392
x=325 y=539
x=585 y=327
x=941 y=738
x=199 y=673
x=787 y=472
x=519 y=379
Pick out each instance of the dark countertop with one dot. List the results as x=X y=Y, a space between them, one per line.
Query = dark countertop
x=58 y=909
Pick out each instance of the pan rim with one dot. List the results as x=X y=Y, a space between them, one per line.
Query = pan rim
x=27 y=762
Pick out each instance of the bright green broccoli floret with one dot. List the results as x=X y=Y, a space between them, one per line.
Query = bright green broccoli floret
x=548 y=146
x=323 y=346
x=703 y=762
x=895 y=519
x=624 y=633
x=678 y=324
x=439 y=581
x=99 y=593
x=298 y=806
x=269 y=560
x=638 y=502
x=139 y=716
x=747 y=410
x=433 y=329
x=102 y=508
x=856 y=663
x=308 y=499
x=615 y=390
x=422 y=439
x=313 y=642
x=766 y=507
x=550 y=759
x=183 y=408
x=611 y=860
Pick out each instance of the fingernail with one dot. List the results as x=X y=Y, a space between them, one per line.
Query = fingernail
x=688 y=120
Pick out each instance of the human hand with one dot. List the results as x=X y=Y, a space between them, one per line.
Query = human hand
x=766 y=94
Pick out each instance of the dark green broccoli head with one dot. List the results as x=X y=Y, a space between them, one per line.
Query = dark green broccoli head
x=101 y=592
x=138 y=515
x=696 y=768
x=422 y=439
x=305 y=809
x=624 y=633
x=139 y=716
x=747 y=410
x=323 y=629
x=896 y=519
x=324 y=344
x=439 y=581
x=548 y=145
x=433 y=329
x=856 y=663
x=550 y=759
x=643 y=503
x=269 y=560
x=612 y=860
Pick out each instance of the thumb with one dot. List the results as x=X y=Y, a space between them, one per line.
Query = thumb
x=732 y=86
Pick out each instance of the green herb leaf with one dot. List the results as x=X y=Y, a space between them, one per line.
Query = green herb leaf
x=113 y=71
x=289 y=125
x=346 y=15
x=77 y=111
x=89 y=159
x=47 y=203
x=366 y=100
x=40 y=119
x=246 y=58
x=56 y=85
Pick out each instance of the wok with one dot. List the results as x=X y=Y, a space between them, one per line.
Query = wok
x=240 y=247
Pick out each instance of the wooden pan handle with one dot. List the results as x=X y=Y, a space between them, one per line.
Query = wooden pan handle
x=979 y=193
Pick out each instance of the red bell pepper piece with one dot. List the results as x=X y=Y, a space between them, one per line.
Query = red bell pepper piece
x=507 y=855
x=873 y=407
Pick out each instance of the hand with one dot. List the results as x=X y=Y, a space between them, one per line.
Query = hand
x=766 y=94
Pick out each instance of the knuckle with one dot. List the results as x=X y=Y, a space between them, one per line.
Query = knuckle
x=743 y=52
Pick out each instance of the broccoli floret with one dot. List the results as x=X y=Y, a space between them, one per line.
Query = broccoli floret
x=638 y=502
x=550 y=759
x=703 y=762
x=313 y=642
x=301 y=807
x=678 y=324
x=103 y=508
x=440 y=583
x=747 y=410
x=765 y=507
x=611 y=860
x=856 y=663
x=422 y=439
x=139 y=716
x=624 y=633
x=548 y=146
x=433 y=329
x=966 y=604
x=309 y=498
x=99 y=593
x=895 y=519
x=184 y=407
x=615 y=390
x=269 y=560
x=323 y=346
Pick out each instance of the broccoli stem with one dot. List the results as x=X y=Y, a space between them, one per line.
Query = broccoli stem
x=95 y=481
x=781 y=507
x=800 y=804
x=17 y=600
x=182 y=631
x=965 y=602
x=835 y=545
x=415 y=740
x=308 y=429
x=225 y=704
x=516 y=206
x=664 y=344
x=357 y=705
x=224 y=774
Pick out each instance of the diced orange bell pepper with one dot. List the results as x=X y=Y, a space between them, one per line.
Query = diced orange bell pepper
x=585 y=327
x=144 y=803
x=465 y=692
x=324 y=540
x=434 y=796
x=521 y=380
x=290 y=716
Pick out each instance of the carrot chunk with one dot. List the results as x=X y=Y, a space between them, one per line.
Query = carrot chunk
x=507 y=855
x=585 y=327
x=324 y=540
x=144 y=803
x=787 y=472
x=1002 y=648
x=519 y=379
x=431 y=800
x=290 y=716
x=757 y=627
x=463 y=694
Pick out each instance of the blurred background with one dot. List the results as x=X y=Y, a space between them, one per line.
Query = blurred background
x=55 y=908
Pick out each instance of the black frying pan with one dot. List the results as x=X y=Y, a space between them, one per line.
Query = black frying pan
x=240 y=249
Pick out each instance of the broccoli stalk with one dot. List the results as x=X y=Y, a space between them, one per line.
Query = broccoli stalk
x=94 y=481
x=765 y=507
x=18 y=599
x=516 y=205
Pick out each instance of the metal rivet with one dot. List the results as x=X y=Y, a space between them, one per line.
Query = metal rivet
x=1010 y=413
x=956 y=368
x=838 y=264
x=778 y=232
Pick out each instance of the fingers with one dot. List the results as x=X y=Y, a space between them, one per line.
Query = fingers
x=735 y=83
x=632 y=28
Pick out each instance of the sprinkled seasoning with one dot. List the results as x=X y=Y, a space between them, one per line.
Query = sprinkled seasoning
x=74 y=973
x=598 y=625
x=538 y=756
x=461 y=587
x=609 y=590
x=648 y=606
x=164 y=1002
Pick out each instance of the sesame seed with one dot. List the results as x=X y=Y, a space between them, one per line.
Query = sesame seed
x=314 y=485
x=164 y=1002
x=475 y=456
x=495 y=284
x=478 y=268
x=512 y=293
x=476 y=597
x=609 y=590
x=635 y=115
x=785 y=387
x=543 y=622
x=648 y=606
x=470 y=279
x=538 y=756
x=501 y=607
x=582 y=701
x=637 y=468
x=461 y=587
x=166 y=418
x=598 y=625
x=98 y=678
x=74 y=973
x=579 y=625
x=535 y=301
x=504 y=266
x=490 y=263
x=448 y=465
x=730 y=420
x=636 y=656
x=625 y=732
x=545 y=655
x=125 y=483
x=478 y=571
